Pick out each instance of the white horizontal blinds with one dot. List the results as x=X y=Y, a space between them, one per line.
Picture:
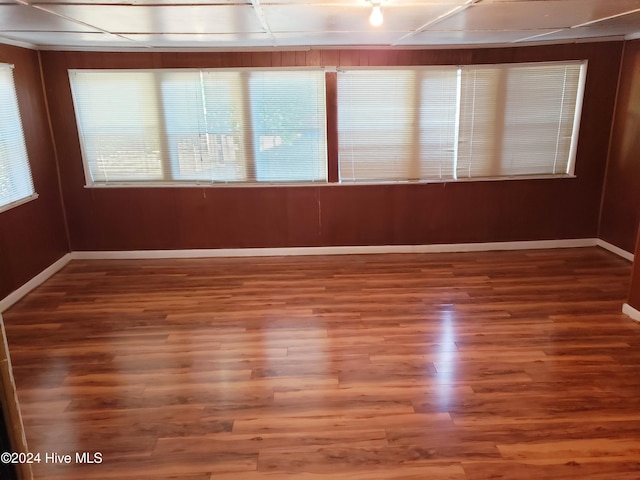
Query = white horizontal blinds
x=120 y=125
x=480 y=125
x=15 y=174
x=203 y=122
x=375 y=118
x=288 y=125
x=517 y=119
x=224 y=114
x=396 y=124
x=438 y=107
x=539 y=118
x=255 y=126
x=202 y=126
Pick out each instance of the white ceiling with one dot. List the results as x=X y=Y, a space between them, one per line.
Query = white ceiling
x=250 y=24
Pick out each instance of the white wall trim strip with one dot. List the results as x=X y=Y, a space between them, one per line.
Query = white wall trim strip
x=36 y=281
x=16 y=295
x=631 y=312
x=338 y=250
x=617 y=250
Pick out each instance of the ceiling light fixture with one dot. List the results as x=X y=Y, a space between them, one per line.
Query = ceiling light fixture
x=376 y=17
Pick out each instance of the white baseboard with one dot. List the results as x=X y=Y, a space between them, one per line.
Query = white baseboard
x=337 y=250
x=13 y=297
x=36 y=281
x=617 y=250
x=631 y=312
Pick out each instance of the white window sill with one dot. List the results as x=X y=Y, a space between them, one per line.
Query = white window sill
x=17 y=203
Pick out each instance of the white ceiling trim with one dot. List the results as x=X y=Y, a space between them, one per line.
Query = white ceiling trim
x=528 y=39
x=442 y=17
x=249 y=25
x=610 y=17
x=257 y=7
x=80 y=22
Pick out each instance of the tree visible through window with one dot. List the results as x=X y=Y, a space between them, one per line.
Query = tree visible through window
x=395 y=124
x=210 y=126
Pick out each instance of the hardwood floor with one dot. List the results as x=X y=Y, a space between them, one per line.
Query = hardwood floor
x=505 y=365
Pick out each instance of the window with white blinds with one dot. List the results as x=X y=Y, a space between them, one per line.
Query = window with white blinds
x=201 y=126
x=447 y=122
x=396 y=124
x=16 y=185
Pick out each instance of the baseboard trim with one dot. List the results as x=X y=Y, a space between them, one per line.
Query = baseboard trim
x=631 y=312
x=617 y=250
x=337 y=250
x=16 y=295
x=36 y=281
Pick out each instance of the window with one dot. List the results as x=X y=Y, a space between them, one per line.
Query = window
x=16 y=185
x=201 y=126
x=396 y=124
x=459 y=122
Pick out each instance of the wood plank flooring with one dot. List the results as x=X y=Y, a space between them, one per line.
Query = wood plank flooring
x=474 y=366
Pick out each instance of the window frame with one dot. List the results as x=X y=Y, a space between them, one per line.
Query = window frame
x=332 y=145
x=572 y=152
x=24 y=163
x=165 y=157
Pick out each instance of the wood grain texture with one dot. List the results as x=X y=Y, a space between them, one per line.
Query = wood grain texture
x=401 y=214
x=634 y=291
x=33 y=235
x=620 y=215
x=13 y=436
x=466 y=366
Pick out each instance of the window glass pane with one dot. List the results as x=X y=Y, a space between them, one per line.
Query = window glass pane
x=201 y=126
x=458 y=122
x=203 y=122
x=518 y=119
x=437 y=106
x=119 y=120
x=539 y=111
x=15 y=173
x=397 y=124
x=375 y=118
x=224 y=107
x=287 y=109
x=481 y=122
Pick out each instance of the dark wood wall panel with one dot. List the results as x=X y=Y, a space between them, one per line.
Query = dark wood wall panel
x=621 y=201
x=33 y=235
x=227 y=217
x=634 y=294
x=450 y=212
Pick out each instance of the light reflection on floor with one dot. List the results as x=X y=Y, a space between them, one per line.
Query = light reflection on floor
x=447 y=357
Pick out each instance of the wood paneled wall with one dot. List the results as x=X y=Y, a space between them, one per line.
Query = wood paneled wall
x=634 y=294
x=33 y=235
x=226 y=217
x=621 y=200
